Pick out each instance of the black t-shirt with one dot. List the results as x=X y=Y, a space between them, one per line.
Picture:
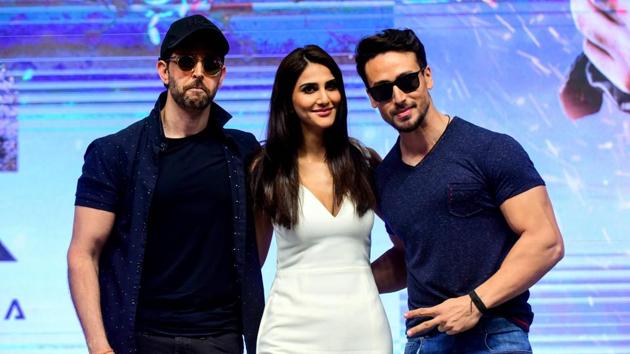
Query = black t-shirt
x=188 y=283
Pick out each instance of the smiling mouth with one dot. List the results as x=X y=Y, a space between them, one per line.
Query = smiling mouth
x=403 y=114
x=323 y=112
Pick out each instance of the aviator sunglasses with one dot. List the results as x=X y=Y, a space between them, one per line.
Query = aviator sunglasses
x=212 y=66
x=406 y=83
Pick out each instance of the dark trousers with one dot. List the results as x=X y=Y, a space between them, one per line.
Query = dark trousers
x=229 y=343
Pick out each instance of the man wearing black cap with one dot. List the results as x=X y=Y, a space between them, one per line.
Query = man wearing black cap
x=163 y=257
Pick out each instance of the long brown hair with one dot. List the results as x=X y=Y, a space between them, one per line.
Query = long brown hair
x=274 y=179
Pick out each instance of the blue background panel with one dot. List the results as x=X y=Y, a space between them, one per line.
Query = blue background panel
x=72 y=71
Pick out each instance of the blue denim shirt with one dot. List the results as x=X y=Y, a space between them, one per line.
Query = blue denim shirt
x=119 y=175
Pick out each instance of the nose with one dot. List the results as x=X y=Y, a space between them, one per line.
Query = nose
x=398 y=95
x=323 y=98
x=198 y=70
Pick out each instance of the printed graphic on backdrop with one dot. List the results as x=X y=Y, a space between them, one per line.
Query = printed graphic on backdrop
x=5 y=255
x=602 y=70
x=75 y=71
x=14 y=312
x=8 y=122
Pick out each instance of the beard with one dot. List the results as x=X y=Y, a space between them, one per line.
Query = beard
x=412 y=123
x=190 y=102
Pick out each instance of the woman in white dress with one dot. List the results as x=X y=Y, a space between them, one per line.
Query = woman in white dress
x=314 y=186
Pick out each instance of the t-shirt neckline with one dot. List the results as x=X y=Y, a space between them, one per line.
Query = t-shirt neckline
x=433 y=148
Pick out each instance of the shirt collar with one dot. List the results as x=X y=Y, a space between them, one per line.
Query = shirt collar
x=217 y=113
x=218 y=118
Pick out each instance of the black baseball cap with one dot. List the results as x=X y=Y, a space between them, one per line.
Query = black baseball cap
x=186 y=27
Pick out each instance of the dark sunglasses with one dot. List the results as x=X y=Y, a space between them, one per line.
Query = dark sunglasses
x=212 y=66
x=407 y=83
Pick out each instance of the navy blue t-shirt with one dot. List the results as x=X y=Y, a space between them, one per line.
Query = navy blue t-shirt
x=446 y=212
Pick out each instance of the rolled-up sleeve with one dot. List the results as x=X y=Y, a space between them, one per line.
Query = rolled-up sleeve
x=99 y=184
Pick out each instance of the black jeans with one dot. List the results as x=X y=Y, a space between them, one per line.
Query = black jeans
x=228 y=343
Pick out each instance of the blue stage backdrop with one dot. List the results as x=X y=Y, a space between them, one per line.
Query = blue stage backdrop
x=71 y=71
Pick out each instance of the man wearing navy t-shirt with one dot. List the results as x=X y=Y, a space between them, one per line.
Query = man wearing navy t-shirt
x=469 y=215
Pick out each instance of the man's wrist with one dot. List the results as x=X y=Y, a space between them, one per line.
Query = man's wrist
x=477 y=302
x=106 y=351
x=103 y=348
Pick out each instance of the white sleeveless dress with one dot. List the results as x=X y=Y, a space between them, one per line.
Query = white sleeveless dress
x=324 y=298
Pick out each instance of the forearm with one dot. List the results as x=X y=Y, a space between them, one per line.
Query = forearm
x=263 y=250
x=527 y=262
x=390 y=272
x=264 y=232
x=84 y=288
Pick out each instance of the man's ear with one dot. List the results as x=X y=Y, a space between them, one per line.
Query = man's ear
x=428 y=78
x=162 y=69
x=222 y=76
x=372 y=101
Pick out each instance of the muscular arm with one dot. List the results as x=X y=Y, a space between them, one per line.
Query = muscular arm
x=390 y=271
x=90 y=231
x=537 y=250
